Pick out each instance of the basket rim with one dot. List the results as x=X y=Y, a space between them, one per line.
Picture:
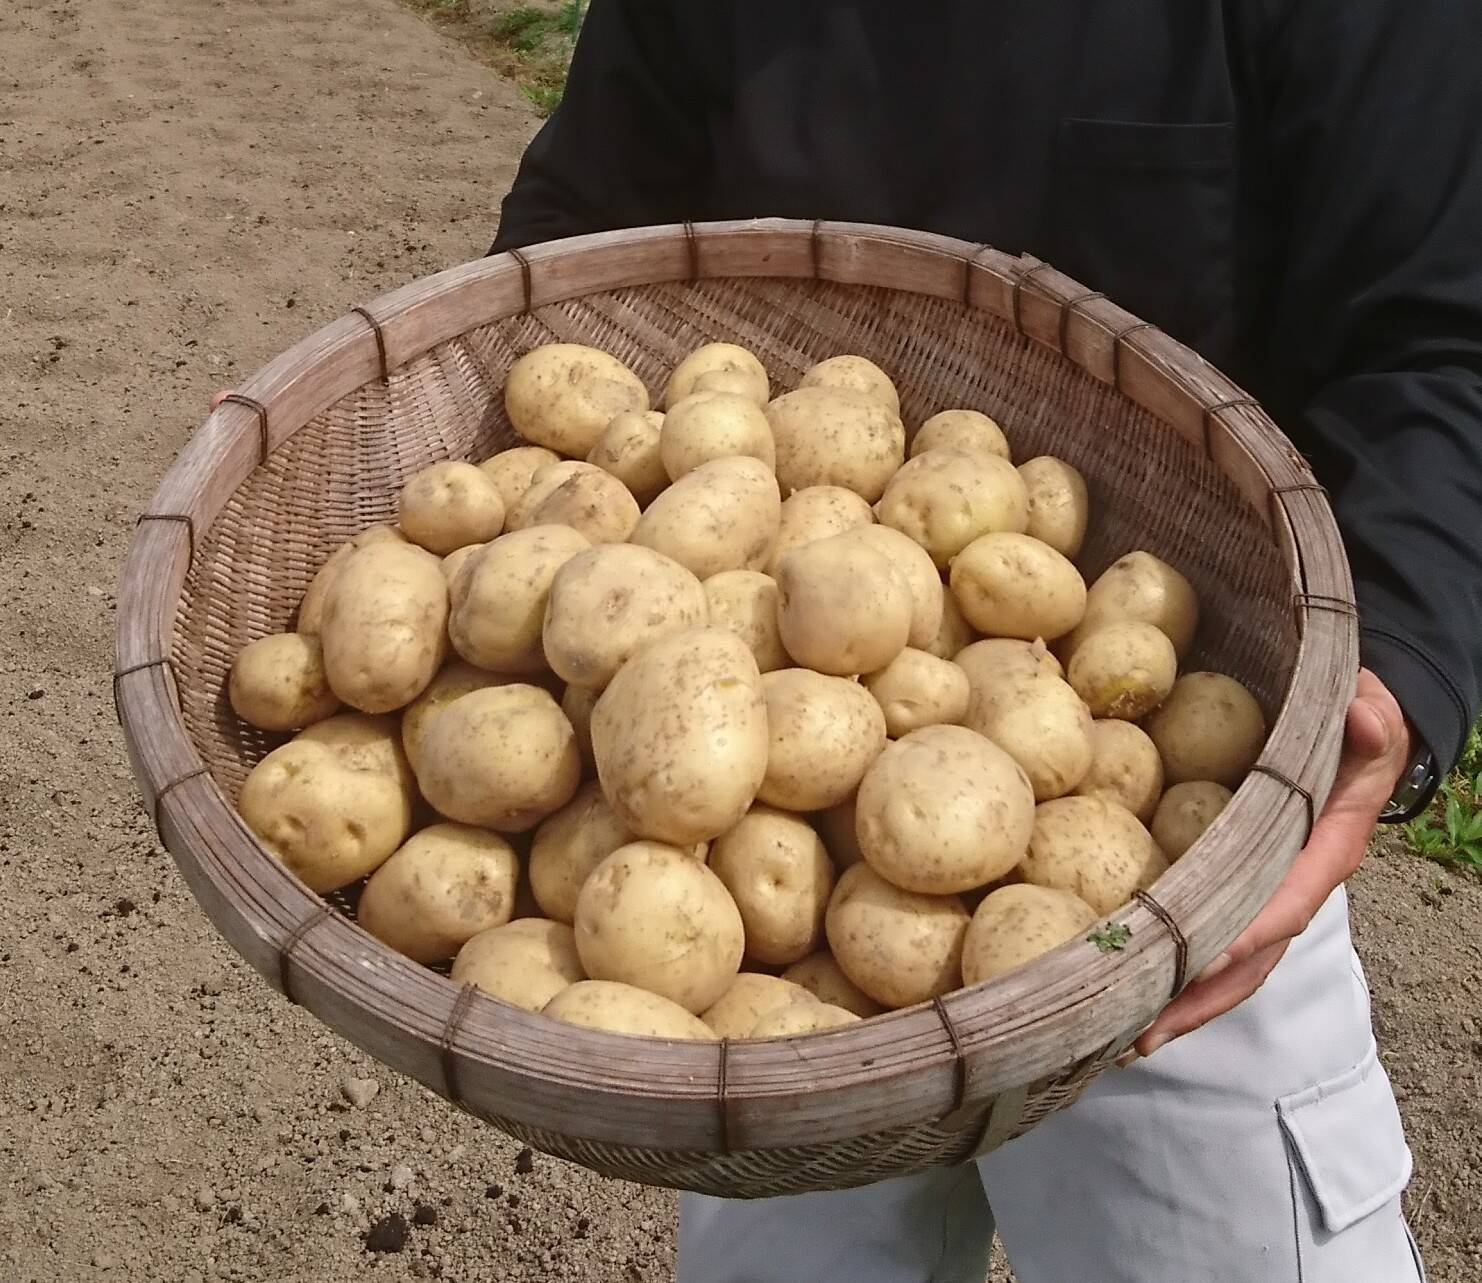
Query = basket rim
x=937 y=1063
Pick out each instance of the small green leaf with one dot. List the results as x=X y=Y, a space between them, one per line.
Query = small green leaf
x=1111 y=938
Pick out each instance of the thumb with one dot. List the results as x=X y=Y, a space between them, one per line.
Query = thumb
x=1372 y=729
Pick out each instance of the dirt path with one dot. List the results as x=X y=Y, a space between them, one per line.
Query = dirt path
x=186 y=187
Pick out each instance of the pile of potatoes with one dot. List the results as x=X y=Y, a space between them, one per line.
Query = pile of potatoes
x=736 y=717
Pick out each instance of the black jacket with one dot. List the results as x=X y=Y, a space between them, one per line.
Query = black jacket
x=1292 y=187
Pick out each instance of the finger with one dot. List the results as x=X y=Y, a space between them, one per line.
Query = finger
x=220 y=397
x=1202 y=1001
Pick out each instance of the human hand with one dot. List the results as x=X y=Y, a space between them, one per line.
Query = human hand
x=219 y=398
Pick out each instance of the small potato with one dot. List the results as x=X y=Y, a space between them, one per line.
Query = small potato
x=526 y=962
x=453 y=680
x=449 y=506
x=825 y=437
x=900 y=947
x=1123 y=670
x=1125 y=768
x=1009 y=585
x=736 y=363
x=365 y=743
x=578 y=703
x=778 y=873
x=968 y=430
x=625 y=1009
x=504 y=758
x=944 y=810
x=823 y=733
x=311 y=609
x=278 y=683
x=955 y=634
x=543 y=484
x=499 y=598
x=609 y=602
x=439 y=889
x=751 y=996
x=1141 y=587
x=568 y=846
x=944 y=499
x=745 y=602
x=652 y=915
x=917 y=689
x=1059 y=507
x=838 y=827
x=1094 y=848
x=816 y=512
x=562 y=395
x=1209 y=728
x=843 y=607
x=455 y=561
x=1017 y=924
x=513 y=470
x=329 y=823
x=592 y=502
x=714 y=425
x=913 y=561
x=723 y=515
x=629 y=449
x=856 y=375
x=801 y=1018
x=1042 y=724
x=1185 y=812
x=822 y=976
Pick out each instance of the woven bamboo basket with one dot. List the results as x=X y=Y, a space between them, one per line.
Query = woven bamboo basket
x=313 y=448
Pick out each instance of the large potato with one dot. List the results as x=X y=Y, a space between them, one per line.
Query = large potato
x=680 y=737
x=278 y=683
x=453 y=680
x=1125 y=768
x=1009 y=585
x=741 y=370
x=913 y=561
x=366 y=743
x=311 y=608
x=653 y=916
x=1059 y=507
x=744 y=602
x=825 y=437
x=1017 y=924
x=449 y=506
x=751 y=996
x=714 y=425
x=801 y=1018
x=592 y=502
x=900 y=947
x=439 y=889
x=562 y=395
x=944 y=499
x=623 y=1009
x=1094 y=848
x=499 y=598
x=568 y=846
x=543 y=484
x=843 y=607
x=1141 y=587
x=955 y=634
x=1209 y=728
x=1123 y=670
x=823 y=732
x=1184 y=812
x=504 y=757
x=526 y=962
x=778 y=873
x=917 y=689
x=721 y=516
x=513 y=470
x=969 y=430
x=816 y=512
x=385 y=629
x=629 y=449
x=1042 y=724
x=608 y=603
x=838 y=828
x=857 y=375
x=821 y=975
x=944 y=810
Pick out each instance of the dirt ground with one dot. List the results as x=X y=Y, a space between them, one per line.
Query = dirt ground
x=186 y=187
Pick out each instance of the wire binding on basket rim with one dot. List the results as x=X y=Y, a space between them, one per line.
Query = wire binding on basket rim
x=959 y=1061
x=1180 y=941
x=1260 y=768
x=1119 y=341
x=1021 y=279
x=970 y=261
x=159 y=798
x=449 y=1036
x=259 y=409
x=1321 y=601
x=182 y=517
x=524 y=263
x=163 y=662
x=1212 y=412
x=723 y=1093
x=692 y=251
x=292 y=941
x=369 y=318
x=1068 y=310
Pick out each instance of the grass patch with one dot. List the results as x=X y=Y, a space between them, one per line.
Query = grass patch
x=1451 y=831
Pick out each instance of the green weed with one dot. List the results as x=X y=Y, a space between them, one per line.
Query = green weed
x=1451 y=831
x=1111 y=938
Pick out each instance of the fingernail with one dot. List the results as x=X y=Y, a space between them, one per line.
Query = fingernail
x=1214 y=968
x=1126 y=1058
x=1156 y=1041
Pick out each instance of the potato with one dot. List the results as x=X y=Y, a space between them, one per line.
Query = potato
x=629 y=449
x=680 y=737
x=837 y=827
x=543 y=484
x=744 y=602
x=365 y=743
x=968 y=430
x=1141 y=587
x=1009 y=585
x=778 y=873
x=578 y=704
x=751 y=996
x=453 y=680
x=526 y=962
x=449 y=506
x=916 y=565
x=1209 y=728
x=592 y=502
x=733 y=383
x=944 y=810
x=513 y=470
x=456 y=560
x=1125 y=768
x=723 y=515
x=825 y=437
x=714 y=425
x=278 y=683
x=1185 y=811
x=329 y=823
x=801 y=1018
x=996 y=665
x=823 y=732
x=624 y=1009
x=816 y=512
x=1059 y=507
x=385 y=629
x=944 y=499
x=1042 y=724
x=504 y=757
x=900 y=947
x=609 y=602
x=917 y=689
x=955 y=634
x=568 y=846
x=562 y=395
x=439 y=889
x=499 y=598
x=311 y=608
x=821 y=975
x=1017 y=924
x=843 y=607
x=1094 y=848
x=1123 y=670
x=856 y=375
x=717 y=358
x=653 y=916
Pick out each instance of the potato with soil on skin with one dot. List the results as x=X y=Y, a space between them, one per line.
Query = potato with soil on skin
x=1125 y=768
x=1059 y=507
x=1042 y=724
x=1123 y=670
x=944 y=499
x=526 y=962
x=454 y=679
x=439 y=889
x=955 y=634
x=449 y=506
x=917 y=689
x=915 y=564
x=823 y=732
x=706 y=426
x=825 y=437
x=562 y=395
x=801 y=1018
x=653 y=916
x=856 y=375
x=1017 y=924
x=310 y=619
x=1140 y=587
x=750 y=996
x=843 y=607
x=680 y=737
x=592 y=502
x=1184 y=812
x=837 y=827
x=513 y=470
x=499 y=598
x=504 y=758
x=568 y=846
x=278 y=683
x=778 y=873
x=624 y=1009
x=1209 y=728
x=944 y=810
x=606 y=604
x=1096 y=849
x=816 y=512
x=456 y=560
x=366 y=743
x=899 y=947
x=543 y=484
x=968 y=430
x=739 y=366
x=744 y=602
x=821 y=975
x=629 y=449
x=721 y=516
x=1009 y=585
x=578 y=703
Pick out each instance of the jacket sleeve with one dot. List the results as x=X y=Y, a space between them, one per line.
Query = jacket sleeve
x=1375 y=171
x=625 y=144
